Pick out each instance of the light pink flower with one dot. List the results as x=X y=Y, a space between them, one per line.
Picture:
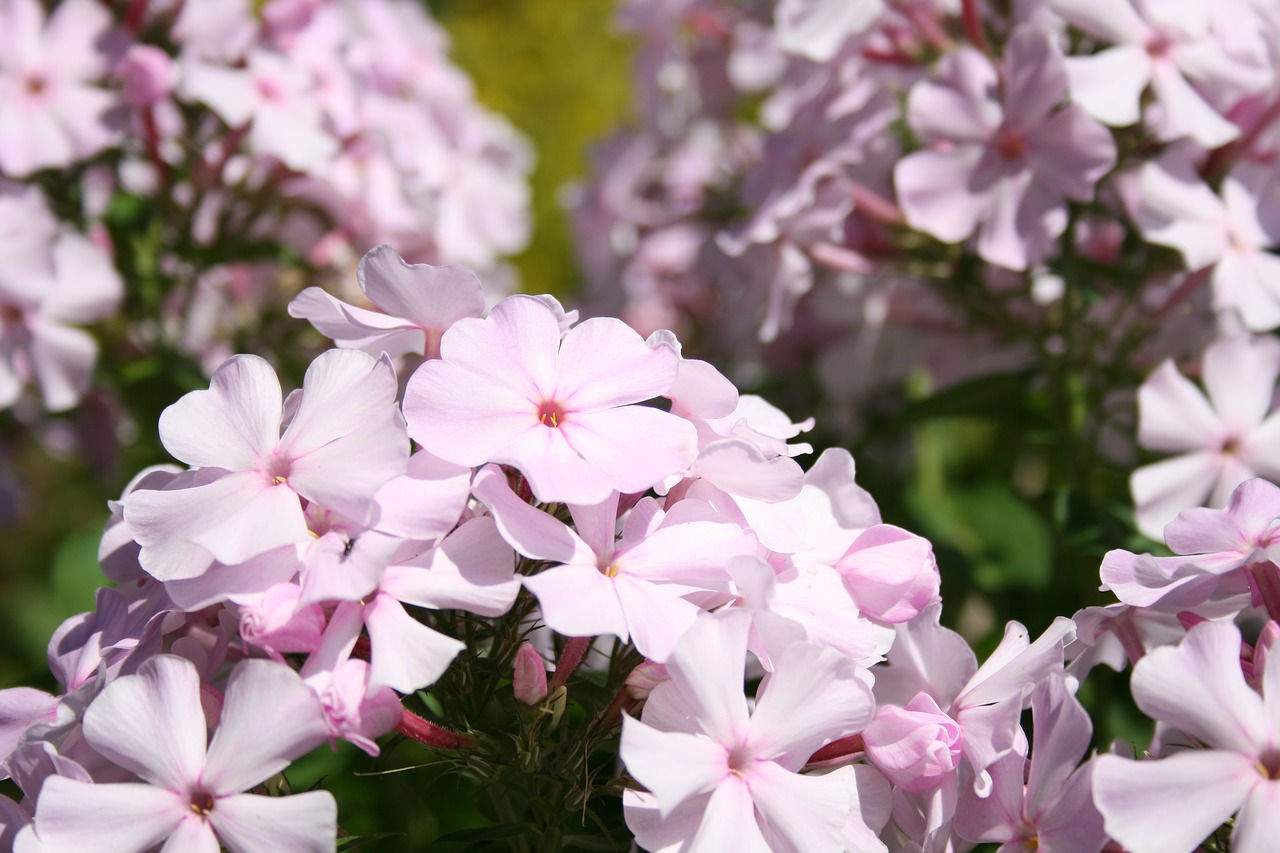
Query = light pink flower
x=1223 y=439
x=1231 y=233
x=54 y=283
x=1160 y=43
x=631 y=588
x=1223 y=555
x=506 y=389
x=529 y=681
x=722 y=776
x=419 y=303
x=344 y=441
x=51 y=112
x=1173 y=803
x=1006 y=164
x=915 y=746
x=1048 y=805
x=190 y=795
x=274 y=98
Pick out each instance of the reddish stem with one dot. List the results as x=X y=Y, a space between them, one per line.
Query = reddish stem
x=575 y=648
x=1189 y=285
x=151 y=138
x=841 y=748
x=429 y=734
x=1218 y=159
x=134 y=14
x=930 y=29
x=875 y=206
x=973 y=25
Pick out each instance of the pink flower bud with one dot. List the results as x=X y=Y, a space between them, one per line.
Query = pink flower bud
x=890 y=573
x=146 y=75
x=276 y=623
x=916 y=747
x=644 y=678
x=530 y=680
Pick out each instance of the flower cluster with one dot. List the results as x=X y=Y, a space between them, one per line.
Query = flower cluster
x=141 y=140
x=283 y=590
x=954 y=189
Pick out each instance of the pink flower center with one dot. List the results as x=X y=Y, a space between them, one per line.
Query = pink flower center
x=1010 y=144
x=35 y=84
x=551 y=414
x=201 y=803
x=1269 y=764
x=740 y=760
x=1158 y=45
x=277 y=470
x=271 y=89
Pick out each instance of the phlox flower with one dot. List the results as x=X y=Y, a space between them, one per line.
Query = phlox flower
x=1001 y=163
x=1223 y=438
x=190 y=796
x=507 y=389
x=51 y=112
x=724 y=778
x=1231 y=233
x=419 y=302
x=345 y=439
x=1174 y=803
x=1221 y=555
x=53 y=283
x=1049 y=805
x=630 y=588
x=985 y=701
x=1159 y=43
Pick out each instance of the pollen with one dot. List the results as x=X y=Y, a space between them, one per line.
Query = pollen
x=201 y=803
x=280 y=480
x=611 y=571
x=551 y=414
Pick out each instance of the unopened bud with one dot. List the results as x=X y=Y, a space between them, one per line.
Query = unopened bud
x=644 y=678
x=146 y=75
x=529 y=682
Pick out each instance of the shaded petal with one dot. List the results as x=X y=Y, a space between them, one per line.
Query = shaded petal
x=1164 y=489
x=432 y=297
x=306 y=823
x=463 y=417
x=814 y=696
x=529 y=530
x=1110 y=20
x=1109 y=84
x=936 y=193
x=76 y=816
x=473 y=569
x=1173 y=414
x=1173 y=803
x=578 y=601
x=1186 y=112
x=151 y=723
x=604 y=363
x=268 y=517
x=1258 y=824
x=234 y=425
x=674 y=766
x=706 y=667
x=270 y=717
x=1036 y=79
x=634 y=447
x=808 y=811
x=1198 y=688
x=427 y=501
x=407 y=655
x=656 y=617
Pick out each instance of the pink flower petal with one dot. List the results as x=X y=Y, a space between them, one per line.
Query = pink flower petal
x=151 y=723
x=307 y=823
x=233 y=425
x=270 y=717
x=131 y=818
x=674 y=766
x=1173 y=803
